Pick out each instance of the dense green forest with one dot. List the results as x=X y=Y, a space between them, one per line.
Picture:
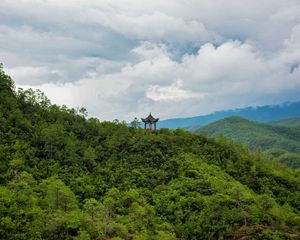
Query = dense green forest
x=280 y=139
x=63 y=176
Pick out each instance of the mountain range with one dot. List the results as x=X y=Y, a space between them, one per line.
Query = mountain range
x=261 y=114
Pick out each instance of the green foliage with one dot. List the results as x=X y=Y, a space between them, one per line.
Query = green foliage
x=288 y=122
x=280 y=139
x=63 y=176
x=59 y=196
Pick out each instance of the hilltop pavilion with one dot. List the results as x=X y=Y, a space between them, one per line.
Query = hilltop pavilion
x=149 y=122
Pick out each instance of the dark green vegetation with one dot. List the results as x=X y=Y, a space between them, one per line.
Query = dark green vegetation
x=260 y=114
x=65 y=177
x=281 y=139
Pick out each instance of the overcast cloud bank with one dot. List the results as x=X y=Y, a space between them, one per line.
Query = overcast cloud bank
x=122 y=59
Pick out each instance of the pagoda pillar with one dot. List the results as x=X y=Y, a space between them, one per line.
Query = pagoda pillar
x=150 y=122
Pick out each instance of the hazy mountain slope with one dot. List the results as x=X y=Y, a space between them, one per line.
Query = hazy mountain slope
x=65 y=177
x=260 y=114
x=288 y=122
x=282 y=142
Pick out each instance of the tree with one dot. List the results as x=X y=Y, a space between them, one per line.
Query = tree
x=95 y=218
x=135 y=123
x=54 y=138
x=59 y=196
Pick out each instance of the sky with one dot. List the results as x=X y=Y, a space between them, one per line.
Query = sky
x=122 y=59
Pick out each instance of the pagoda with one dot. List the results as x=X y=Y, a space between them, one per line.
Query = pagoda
x=149 y=122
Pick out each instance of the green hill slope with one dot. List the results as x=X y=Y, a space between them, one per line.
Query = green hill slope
x=65 y=177
x=282 y=142
x=289 y=122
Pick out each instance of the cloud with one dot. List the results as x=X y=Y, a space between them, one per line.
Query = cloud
x=123 y=58
x=216 y=77
x=173 y=93
x=157 y=26
x=34 y=75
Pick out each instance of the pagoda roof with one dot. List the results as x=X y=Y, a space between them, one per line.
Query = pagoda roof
x=150 y=118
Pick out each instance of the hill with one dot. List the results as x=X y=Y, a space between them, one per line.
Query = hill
x=63 y=176
x=280 y=141
x=289 y=122
x=261 y=114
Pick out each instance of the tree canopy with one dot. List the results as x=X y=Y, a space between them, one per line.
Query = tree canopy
x=66 y=176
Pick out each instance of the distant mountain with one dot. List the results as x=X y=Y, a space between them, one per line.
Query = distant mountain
x=280 y=141
x=260 y=114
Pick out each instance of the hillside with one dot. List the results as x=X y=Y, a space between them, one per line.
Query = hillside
x=282 y=142
x=63 y=176
x=261 y=114
x=288 y=122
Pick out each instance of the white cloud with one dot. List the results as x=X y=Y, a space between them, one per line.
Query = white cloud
x=123 y=58
x=230 y=75
x=147 y=50
x=157 y=26
x=34 y=75
x=173 y=93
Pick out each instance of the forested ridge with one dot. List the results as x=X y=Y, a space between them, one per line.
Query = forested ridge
x=287 y=122
x=280 y=139
x=63 y=176
x=261 y=114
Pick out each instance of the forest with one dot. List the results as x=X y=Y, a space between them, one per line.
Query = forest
x=64 y=175
x=280 y=139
